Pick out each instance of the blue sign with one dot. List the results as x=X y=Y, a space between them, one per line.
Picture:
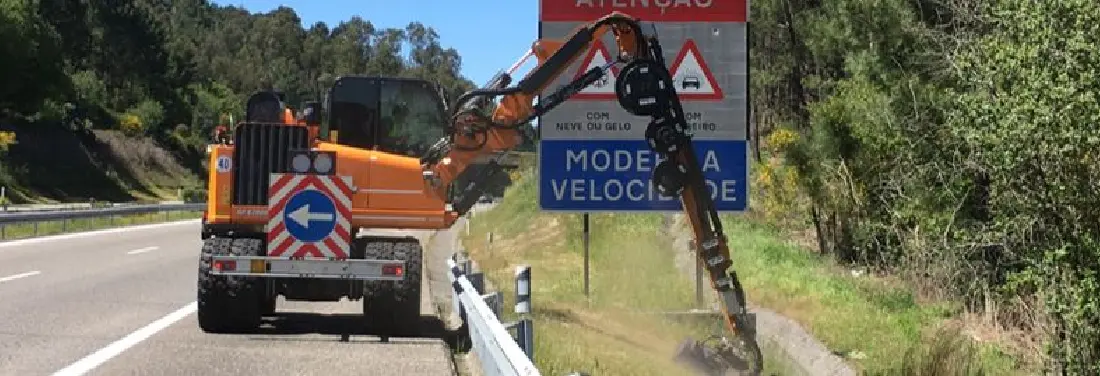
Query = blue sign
x=309 y=216
x=614 y=175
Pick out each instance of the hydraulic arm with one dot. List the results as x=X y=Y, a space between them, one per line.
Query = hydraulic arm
x=644 y=88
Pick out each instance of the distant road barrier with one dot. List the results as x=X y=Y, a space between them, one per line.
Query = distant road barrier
x=499 y=353
x=36 y=217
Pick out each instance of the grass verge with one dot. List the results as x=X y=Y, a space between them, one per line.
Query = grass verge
x=29 y=230
x=877 y=325
x=618 y=330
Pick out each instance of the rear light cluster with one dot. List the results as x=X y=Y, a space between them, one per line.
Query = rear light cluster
x=223 y=265
x=312 y=162
x=394 y=270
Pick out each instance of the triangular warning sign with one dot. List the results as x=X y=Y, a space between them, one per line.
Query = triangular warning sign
x=692 y=77
x=604 y=89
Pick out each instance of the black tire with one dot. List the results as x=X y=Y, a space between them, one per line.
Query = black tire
x=267 y=304
x=228 y=304
x=392 y=309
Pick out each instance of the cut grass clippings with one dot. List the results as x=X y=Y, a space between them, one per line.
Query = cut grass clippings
x=28 y=230
x=879 y=327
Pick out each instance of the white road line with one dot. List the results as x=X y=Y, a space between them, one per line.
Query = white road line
x=142 y=250
x=77 y=235
x=101 y=356
x=18 y=276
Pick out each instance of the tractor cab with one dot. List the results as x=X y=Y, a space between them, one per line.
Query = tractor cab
x=401 y=116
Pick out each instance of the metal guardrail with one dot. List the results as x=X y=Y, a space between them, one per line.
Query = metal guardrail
x=64 y=216
x=44 y=207
x=499 y=353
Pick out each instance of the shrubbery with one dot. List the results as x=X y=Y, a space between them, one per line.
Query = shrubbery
x=193 y=194
x=952 y=144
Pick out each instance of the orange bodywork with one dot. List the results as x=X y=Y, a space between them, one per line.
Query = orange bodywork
x=391 y=191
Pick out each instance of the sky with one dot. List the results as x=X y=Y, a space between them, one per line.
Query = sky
x=485 y=49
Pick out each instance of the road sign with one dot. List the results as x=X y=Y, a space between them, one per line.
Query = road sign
x=309 y=215
x=692 y=77
x=224 y=163
x=592 y=154
x=604 y=89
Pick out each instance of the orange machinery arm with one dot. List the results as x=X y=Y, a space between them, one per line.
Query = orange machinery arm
x=474 y=136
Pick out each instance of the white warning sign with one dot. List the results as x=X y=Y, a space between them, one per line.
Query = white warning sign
x=598 y=57
x=593 y=155
x=691 y=75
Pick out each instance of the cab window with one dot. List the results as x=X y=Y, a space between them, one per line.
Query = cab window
x=411 y=115
x=353 y=112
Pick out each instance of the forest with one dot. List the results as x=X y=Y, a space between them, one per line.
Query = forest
x=161 y=67
x=88 y=78
x=949 y=143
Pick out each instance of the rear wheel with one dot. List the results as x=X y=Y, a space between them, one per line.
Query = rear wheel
x=393 y=308
x=267 y=304
x=228 y=304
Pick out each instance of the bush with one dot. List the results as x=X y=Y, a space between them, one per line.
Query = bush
x=151 y=114
x=131 y=125
x=7 y=139
x=193 y=195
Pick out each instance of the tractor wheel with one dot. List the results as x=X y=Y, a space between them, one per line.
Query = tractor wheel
x=267 y=304
x=391 y=308
x=228 y=304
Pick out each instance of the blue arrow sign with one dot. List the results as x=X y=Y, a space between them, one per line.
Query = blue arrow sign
x=309 y=216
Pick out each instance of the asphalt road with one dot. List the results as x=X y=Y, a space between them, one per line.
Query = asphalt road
x=122 y=303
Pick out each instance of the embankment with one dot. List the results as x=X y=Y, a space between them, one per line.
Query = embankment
x=52 y=163
x=623 y=327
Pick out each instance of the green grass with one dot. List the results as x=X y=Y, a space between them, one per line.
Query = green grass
x=633 y=276
x=880 y=321
x=27 y=230
x=877 y=324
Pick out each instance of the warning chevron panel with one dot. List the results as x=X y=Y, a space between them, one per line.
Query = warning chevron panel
x=597 y=57
x=692 y=77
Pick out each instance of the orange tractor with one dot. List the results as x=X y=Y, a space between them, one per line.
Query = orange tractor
x=288 y=197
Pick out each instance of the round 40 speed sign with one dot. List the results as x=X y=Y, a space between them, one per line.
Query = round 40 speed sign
x=224 y=163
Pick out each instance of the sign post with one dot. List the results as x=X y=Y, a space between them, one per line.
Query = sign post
x=586 y=256
x=593 y=156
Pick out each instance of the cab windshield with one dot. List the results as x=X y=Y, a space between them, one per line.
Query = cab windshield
x=400 y=116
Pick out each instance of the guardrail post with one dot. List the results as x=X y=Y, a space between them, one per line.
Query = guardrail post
x=478 y=280
x=525 y=330
x=495 y=301
x=523 y=289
